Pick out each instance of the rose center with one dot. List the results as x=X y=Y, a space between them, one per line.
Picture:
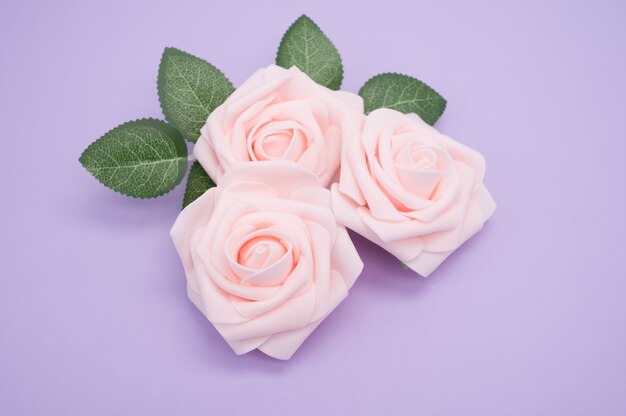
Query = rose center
x=260 y=252
x=417 y=169
x=260 y=258
x=422 y=158
x=277 y=140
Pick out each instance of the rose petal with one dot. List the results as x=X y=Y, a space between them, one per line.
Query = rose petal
x=345 y=259
x=283 y=176
x=282 y=346
x=293 y=313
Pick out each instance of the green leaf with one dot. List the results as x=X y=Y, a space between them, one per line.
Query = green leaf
x=307 y=47
x=403 y=93
x=189 y=90
x=144 y=158
x=198 y=182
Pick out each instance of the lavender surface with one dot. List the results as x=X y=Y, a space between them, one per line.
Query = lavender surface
x=527 y=318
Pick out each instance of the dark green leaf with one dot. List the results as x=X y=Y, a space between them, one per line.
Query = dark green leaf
x=189 y=90
x=403 y=93
x=143 y=158
x=307 y=47
x=198 y=182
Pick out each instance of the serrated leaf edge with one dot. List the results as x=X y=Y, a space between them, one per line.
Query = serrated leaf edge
x=172 y=49
x=149 y=119
x=187 y=184
x=445 y=102
x=304 y=16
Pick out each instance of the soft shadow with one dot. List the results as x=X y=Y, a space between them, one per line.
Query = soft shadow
x=386 y=274
x=210 y=347
x=383 y=272
x=465 y=255
x=102 y=207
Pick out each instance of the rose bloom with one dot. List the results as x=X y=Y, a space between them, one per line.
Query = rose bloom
x=410 y=189
x=265 y=260
x=277 y=114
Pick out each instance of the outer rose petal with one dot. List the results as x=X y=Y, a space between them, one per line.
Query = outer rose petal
x=207 y=157
x=198 y=212
x=284 y=177
x=344 y=256
x=223 y=143
x=368 y=198
x=284 y=345
x=483 y=208
x=274 y=319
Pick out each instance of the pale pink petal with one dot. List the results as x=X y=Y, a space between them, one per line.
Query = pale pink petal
x=345 y=260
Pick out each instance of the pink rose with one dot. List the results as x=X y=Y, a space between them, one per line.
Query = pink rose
x=277 y=114
x=265 y=260
x=410 y=189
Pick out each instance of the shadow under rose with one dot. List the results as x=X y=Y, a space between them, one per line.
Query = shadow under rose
x=384 y=273
x=213 y=350
x=106 y=208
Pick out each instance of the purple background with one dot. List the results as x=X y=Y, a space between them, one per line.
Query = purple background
x=528 y=318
